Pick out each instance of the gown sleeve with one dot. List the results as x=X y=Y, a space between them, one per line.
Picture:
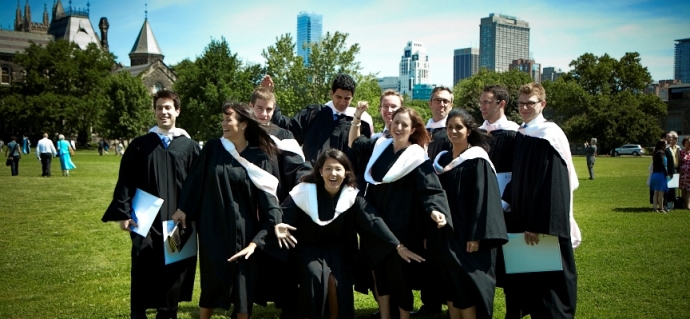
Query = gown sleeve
x=269 y=209
x=430 y=192
x=120 y=207
x=485 y=213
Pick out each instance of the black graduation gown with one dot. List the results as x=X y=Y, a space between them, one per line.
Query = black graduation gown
x=439 y=142
x=316 y=130
x=288 y=167
x=540 y=203
x=475 y=205
x=332 y=249
x=405 y=205
x=147 y=165
x=230 y=212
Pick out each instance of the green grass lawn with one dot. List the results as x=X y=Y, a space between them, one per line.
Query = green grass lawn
x=58 y=260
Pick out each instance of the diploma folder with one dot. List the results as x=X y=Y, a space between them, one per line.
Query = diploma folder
x=145 y=208
x=188 y=250
x=674 y=181
x=520 y=257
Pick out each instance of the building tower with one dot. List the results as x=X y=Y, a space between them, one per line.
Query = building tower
x=502 y=39
x=145 y=49
x=465 y=63
x=414 y=67
x=309 y=28
x=104 y=25
x=681 y=63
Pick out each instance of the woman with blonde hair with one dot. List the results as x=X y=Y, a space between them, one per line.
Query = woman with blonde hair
x=65 y=152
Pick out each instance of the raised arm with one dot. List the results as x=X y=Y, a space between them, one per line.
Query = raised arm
x=357 y=122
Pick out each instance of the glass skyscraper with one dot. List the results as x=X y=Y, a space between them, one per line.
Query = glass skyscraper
x=681 y=64
x=465 y=64
x=309 y=27
x=502 y=39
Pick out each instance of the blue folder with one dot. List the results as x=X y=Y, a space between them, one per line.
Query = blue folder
x=520 y=257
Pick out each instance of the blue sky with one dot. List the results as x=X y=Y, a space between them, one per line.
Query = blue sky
x=560 y=31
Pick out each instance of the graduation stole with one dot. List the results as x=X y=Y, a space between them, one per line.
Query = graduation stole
x=540 y=128
x=305 y=197
x=263 y=180
x=501 y=124
x=175 y=131
x=470 y=153
x=412 y=156
x=289 y=145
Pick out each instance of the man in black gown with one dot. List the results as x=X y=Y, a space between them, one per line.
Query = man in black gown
x=542 y=185
x=157 y=163
x=319 y=127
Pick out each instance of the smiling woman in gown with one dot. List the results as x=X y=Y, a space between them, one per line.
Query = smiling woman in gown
x=232 y=197
x=469 y=179
x=404 y=189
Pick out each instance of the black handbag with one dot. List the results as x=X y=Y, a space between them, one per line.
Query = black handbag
x=9 y=161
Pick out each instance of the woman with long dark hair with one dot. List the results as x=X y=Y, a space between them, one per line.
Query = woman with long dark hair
x=658 y=182
x=469 y=179
x=326 y=211
x=232 y=197
x=404 y=189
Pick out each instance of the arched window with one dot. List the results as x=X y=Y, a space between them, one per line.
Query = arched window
x=5 y=78
x=157 y=87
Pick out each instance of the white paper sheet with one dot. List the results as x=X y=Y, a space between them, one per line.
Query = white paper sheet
x=503 y=180
x=520 y=257
x=673 y=183
x=189 y=249
x=145 y=207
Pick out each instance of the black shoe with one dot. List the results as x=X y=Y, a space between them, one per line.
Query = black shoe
x=426 y=310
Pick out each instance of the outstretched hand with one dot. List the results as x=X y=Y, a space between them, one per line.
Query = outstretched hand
x=439 y=218
x=246 y=252
x=408 y=255
x=284 y=237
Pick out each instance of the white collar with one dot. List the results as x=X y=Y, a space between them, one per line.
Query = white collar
x=413 y=156
x=176 y=131
x=289 y=145
x=350 y=111
x=261 y=179
x=471 y=153
x=440 y=124
x=305 y=197
x=500 y=124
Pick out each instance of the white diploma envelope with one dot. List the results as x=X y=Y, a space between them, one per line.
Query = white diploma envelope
x=673 y=183
x=145 y=207
x=189 y=249
x=520 y=257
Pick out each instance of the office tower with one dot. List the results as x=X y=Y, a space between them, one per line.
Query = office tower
x=389 y=83
x=681 y=64
x=414 y=67
x=309 y=27
x=465 y=63
x=550 y=73
x=528 y=66
x=502 y=39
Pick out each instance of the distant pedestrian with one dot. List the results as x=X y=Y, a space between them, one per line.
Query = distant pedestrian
x=101 y=147
x=14 y=152
x=120 y=148
x=658 y=180
x=65 y=152
x=591 y=153
x=26 y=145
x=2 y=144
x=45 y=151
x=684 y=183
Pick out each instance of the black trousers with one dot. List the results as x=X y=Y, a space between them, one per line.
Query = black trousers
x=46 y=159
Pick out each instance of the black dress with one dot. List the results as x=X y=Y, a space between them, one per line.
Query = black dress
x=405 y=205
x=147 y=165
x=475 y=205
x=230 y=212
x=540 y=203
x=332 y=250
x=439 y=142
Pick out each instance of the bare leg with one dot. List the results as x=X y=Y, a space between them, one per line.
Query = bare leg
x=404 y=314
x=332 y=297
x=453 y=312
x=469 y=313
x=205 y=313
x=686 y=198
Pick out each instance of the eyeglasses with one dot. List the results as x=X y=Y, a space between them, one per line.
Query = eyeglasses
x=528 y=103
x=440 y=100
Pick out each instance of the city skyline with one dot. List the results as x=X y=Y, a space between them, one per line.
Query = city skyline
x=559 y=33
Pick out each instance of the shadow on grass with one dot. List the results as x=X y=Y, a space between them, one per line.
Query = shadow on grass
x=633 y=210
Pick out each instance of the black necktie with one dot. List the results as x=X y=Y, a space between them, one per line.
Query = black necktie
x=387 y=134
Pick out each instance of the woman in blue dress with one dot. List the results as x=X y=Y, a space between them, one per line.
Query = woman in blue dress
x=63 y=149
x=658 y=180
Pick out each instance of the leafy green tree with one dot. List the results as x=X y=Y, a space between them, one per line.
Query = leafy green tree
x=204 y=85
x=62 y=90
x=129 y=111
x=297 y=85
